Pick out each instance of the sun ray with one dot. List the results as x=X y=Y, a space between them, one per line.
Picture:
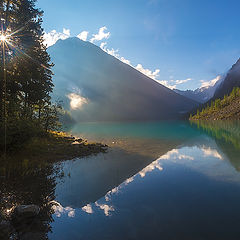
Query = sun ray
x=8 y=40
x=11 y=43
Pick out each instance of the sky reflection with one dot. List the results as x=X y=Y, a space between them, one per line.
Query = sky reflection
x=126 y=194
x=178 y=156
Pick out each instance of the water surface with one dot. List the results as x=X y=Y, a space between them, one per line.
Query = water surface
x=158 y=181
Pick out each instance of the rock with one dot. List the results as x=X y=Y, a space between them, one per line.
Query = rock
x=6 y=230
x=69 y=138
x=4 y=224
x=26 y=211
x=33 y=236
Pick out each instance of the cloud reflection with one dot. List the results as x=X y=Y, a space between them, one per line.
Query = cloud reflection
x=107 y=209
x=208 y=152
x=88 y=209
x=150 y=168
x=175 y=154
x=193 y=157
x=59 y=210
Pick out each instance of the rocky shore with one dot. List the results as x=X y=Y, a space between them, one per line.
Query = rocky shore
x=36 y=161
x=19 y=219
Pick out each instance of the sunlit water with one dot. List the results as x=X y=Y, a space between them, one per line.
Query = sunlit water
x=157 y=181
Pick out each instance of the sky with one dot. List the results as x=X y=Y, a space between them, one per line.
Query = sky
x=183 y=44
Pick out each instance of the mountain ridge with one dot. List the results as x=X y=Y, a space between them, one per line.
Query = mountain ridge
x=223 y=86
x=231 y=80
x=113 y=90
x=202 y=94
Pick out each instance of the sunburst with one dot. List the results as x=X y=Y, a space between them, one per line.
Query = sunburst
x=9 y=41
x=3 y=38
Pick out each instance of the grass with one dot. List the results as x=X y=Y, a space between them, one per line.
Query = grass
x=56 y=146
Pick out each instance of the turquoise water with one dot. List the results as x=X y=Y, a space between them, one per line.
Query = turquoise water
x=157 y=181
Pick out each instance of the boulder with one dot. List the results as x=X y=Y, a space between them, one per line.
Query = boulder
x=33 y=236
x=6 y=230
x=26 y=211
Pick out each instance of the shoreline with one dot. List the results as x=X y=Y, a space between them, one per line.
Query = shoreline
x=55 y=147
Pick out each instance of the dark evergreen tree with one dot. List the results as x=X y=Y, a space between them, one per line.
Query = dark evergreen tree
x=27 y=76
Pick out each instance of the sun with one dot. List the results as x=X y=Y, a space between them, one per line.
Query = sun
x=3 y=38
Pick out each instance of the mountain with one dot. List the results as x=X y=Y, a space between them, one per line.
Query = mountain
x=202 y=94
x=96 y=86
x=231 y=80
x=223 y=86
x=221 y=109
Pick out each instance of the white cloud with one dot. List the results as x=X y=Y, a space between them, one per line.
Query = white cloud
x=182 y=81
x=152 y=74
x=148 y=72
x=112 y=51
x=207 y=84
x=52 y=37
x=100 y=35
x=76 y=101
x=125 y=60
x=103 y=46
x=167 y=84
x=66 y=31
x=172 y=84
x=83 y=35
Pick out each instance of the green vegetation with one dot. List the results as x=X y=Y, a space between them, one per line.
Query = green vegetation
x=227 y=136
x=28 y=117
x=26 y=78
x=53 y=146
x=226 y=108
x=229 y=131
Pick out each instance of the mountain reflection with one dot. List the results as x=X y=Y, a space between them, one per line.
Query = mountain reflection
x=99 y=186
x=179 y=156
x=226 y=135
x=104 y=175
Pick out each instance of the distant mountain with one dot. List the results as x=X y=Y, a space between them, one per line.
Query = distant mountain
x=231 y=80
x=99 y=87
x=222 y=87
x=202 y=94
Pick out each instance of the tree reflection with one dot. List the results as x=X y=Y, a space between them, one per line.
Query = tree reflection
x=226 y=135
x=25 y=183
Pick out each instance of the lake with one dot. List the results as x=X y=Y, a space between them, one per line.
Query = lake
x=159 y=180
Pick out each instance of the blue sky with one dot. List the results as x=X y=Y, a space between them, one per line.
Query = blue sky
x=186 y=40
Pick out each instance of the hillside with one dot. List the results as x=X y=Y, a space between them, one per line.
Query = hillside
x=231 y=80
x=95 y=86
x=226 y=108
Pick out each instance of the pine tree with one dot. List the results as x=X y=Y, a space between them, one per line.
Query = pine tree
x=28 y=70
x=198 y=113
x=29 y=81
